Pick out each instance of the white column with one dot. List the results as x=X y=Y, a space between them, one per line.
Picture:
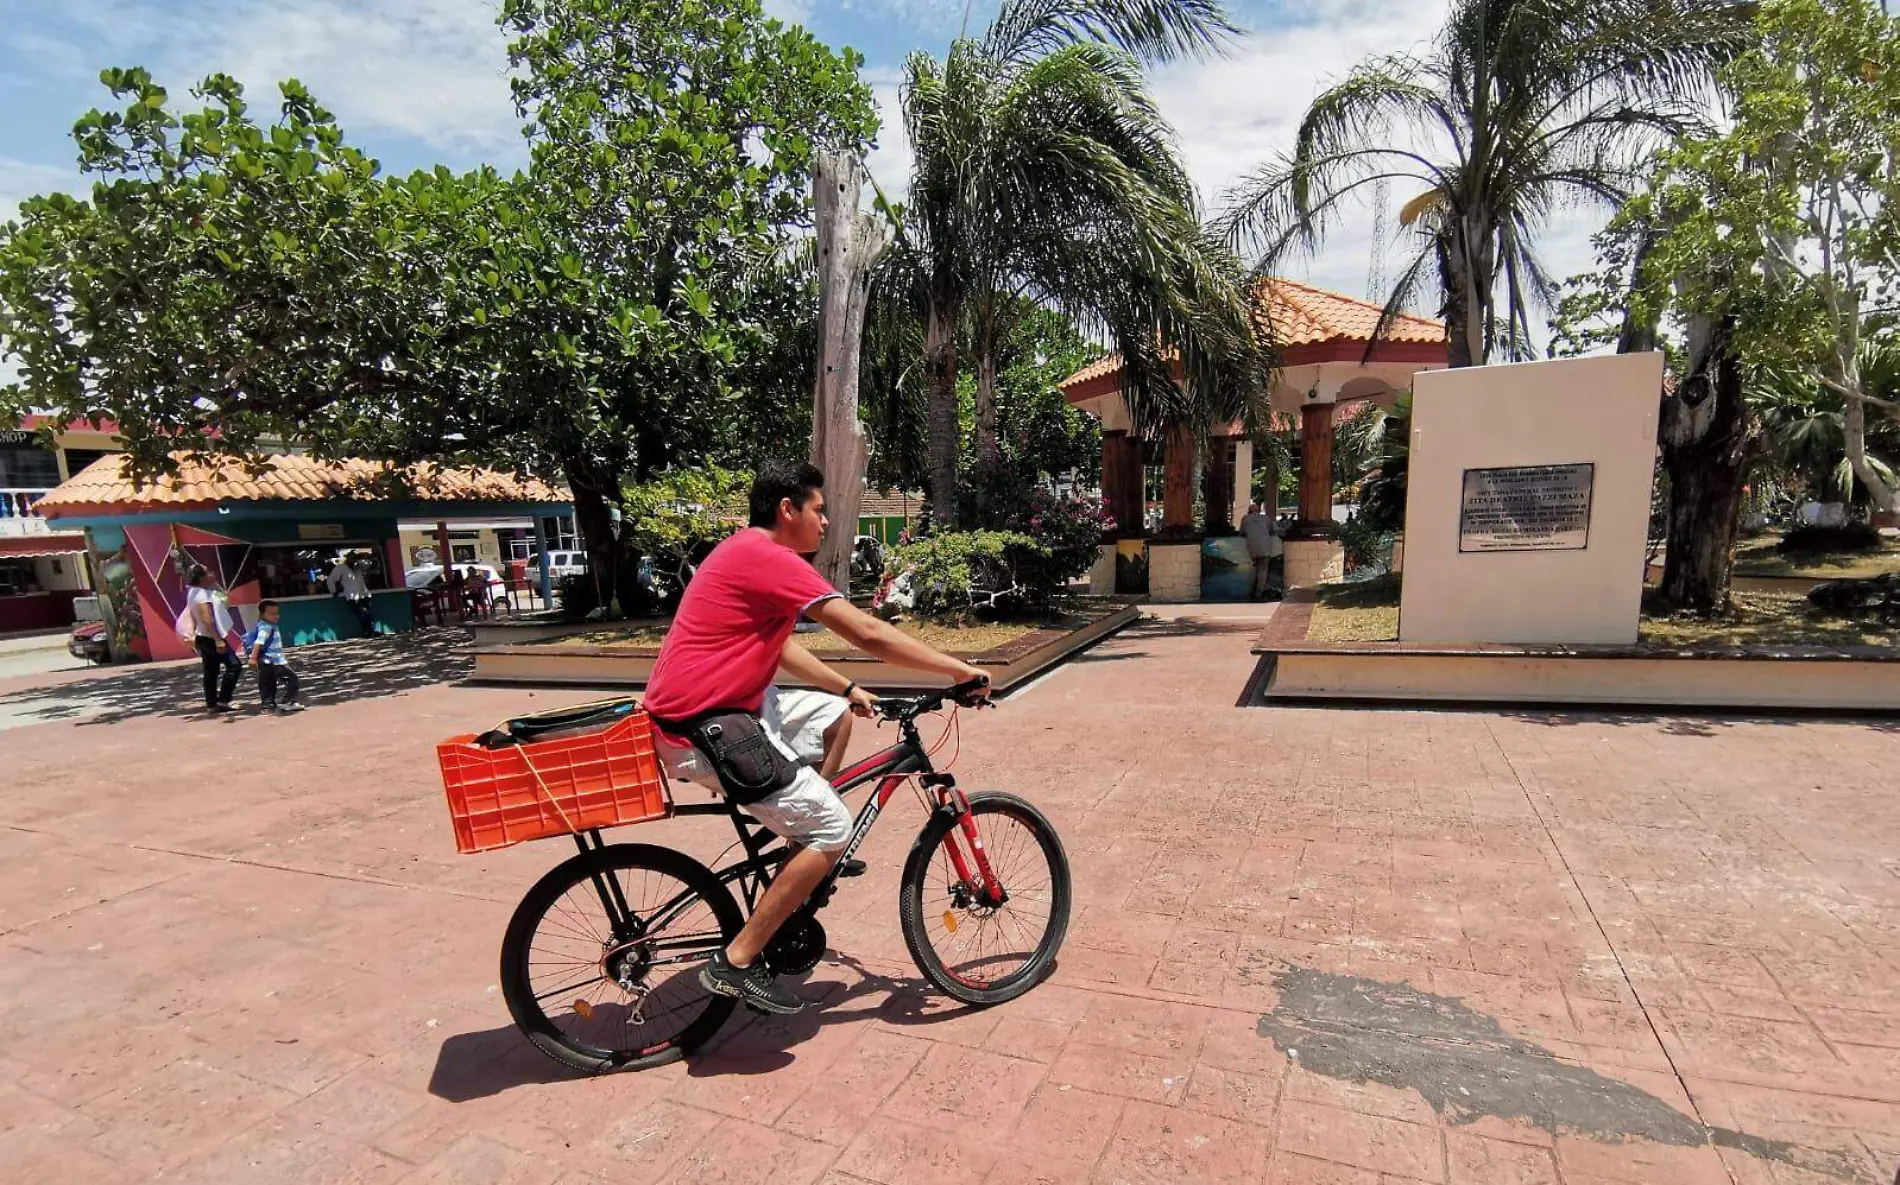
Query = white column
x=1243 y=478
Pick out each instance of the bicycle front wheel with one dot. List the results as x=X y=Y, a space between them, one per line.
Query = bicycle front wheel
x=973 y=947
x=600 y=966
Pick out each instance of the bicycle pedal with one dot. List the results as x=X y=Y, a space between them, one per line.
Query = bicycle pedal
x=851 y=867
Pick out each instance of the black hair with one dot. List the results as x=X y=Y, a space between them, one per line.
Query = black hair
x=777 y=481
x=264 y=606
x=196 y=574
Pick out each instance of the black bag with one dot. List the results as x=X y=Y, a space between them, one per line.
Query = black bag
x=749 y=765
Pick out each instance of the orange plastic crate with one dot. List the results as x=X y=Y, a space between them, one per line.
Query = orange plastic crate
x=606 y=778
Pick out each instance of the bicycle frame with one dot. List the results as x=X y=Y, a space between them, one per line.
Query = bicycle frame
x=890 y=768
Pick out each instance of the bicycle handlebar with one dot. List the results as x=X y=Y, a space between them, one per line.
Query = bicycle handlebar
x=907 y=708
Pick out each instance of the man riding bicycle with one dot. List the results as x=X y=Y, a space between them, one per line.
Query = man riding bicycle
x=721 y=722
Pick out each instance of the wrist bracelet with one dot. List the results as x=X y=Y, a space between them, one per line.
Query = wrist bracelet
x=849 y=687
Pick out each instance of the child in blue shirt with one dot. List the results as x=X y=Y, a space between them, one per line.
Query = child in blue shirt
x=266 y=647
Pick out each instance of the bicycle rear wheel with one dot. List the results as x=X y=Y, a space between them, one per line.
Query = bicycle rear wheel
x=600 y=965
x=974 y=950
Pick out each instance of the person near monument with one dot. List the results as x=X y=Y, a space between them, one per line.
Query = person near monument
x=1262 y=544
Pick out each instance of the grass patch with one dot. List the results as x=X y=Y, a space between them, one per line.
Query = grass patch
x=1767 y=619
x=1369 y=612
x=1756 y=556
x=1364 y=611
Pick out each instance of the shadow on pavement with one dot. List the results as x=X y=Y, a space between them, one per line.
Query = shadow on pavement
x=477 y=1065
x=332 y=672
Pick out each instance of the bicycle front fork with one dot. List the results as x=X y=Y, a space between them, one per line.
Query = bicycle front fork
x=973 y=870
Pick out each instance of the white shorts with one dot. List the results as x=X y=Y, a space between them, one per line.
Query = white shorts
x=808 y=811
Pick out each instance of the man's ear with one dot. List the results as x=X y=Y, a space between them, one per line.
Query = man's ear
x=786 y=510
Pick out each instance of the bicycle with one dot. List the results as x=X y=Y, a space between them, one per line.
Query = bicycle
x=622 y=928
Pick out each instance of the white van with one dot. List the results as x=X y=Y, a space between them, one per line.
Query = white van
x=563 y=563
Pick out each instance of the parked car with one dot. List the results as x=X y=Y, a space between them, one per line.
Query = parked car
x=418 y=577
x=87 y=643
x=563 y=563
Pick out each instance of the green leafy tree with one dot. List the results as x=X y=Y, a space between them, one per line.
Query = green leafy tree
x=1769 y=248
x=604 y=315
x=1518 y=108
x=674 y=141
x=1789 y=221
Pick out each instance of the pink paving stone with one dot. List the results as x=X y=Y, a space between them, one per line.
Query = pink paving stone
x=1364 y=1141
x=1155 y=1145
x=1474 y=1159
x=891 y=1152
x=1064 y=1124
x=835 y=1109
x=331 y=995
x=956 y=1089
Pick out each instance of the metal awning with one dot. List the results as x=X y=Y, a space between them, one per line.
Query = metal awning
x=32 y=547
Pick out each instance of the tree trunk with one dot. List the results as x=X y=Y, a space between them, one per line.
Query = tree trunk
x=1854 y=431
x=940 y=381
x=1706 y=450
x=1457 y=310
x=988 y=447
x=1217 y=487
x=849 y=246
x=593 y=517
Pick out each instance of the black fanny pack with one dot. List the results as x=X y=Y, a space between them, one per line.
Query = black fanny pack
x=749 y=765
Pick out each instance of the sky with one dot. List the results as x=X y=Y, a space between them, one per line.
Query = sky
x=423 y=82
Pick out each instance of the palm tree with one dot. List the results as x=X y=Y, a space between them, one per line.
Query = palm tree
x=1043 y=169
x=1518 y=107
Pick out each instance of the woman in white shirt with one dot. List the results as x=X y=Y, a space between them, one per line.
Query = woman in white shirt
x=211 y=637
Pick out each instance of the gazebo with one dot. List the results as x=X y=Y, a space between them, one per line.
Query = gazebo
x=1329 y=365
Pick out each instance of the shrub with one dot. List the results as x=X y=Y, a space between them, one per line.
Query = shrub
x=1065 y=533
x=1366 y=545
x=965 y=569
x=576 y=595
x=1855 y=536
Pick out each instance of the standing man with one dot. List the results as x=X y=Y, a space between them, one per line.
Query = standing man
x=209 y=620
x=1258 y=530
x=346 y=581
x=722 y=723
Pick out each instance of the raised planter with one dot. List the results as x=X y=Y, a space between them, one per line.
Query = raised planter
x=541 y=627
x=1826 y=678
x=624 y=666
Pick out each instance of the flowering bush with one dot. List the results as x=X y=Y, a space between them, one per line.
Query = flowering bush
x=959 y=570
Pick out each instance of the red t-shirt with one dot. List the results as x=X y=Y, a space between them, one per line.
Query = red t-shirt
x=724 y=645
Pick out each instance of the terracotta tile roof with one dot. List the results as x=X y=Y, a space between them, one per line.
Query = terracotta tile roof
x=1296 y=314
x=896 y=504
x=102 y=487
x=1299 y=314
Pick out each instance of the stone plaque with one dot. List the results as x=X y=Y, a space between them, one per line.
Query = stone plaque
x=1527 y=508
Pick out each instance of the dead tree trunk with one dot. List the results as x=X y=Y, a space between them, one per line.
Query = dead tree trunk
x=850 y=243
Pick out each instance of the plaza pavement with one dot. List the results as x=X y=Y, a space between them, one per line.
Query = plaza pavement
x=1325 y=947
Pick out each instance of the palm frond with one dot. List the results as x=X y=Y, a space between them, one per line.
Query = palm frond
x=1152 y=30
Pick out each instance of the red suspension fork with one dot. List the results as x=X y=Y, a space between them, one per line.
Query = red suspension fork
x=983 y=874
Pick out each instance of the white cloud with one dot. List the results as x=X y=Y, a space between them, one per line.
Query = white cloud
x=435 y=70
x=792 y=12
x=20 y=179
x=890 y=161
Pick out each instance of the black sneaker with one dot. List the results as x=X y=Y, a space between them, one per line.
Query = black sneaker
x=219 y=709
x=851 y=867
x=753 y=986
